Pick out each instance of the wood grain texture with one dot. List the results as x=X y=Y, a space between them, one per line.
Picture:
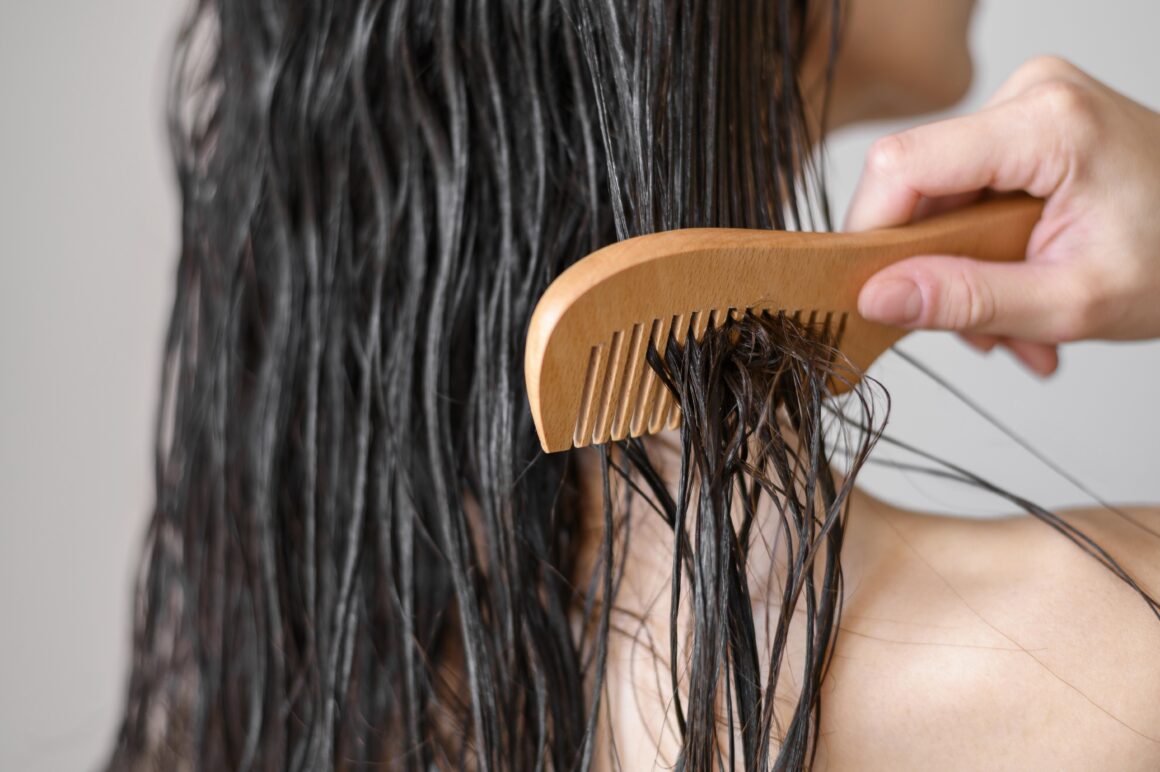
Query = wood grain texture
x=584 y=364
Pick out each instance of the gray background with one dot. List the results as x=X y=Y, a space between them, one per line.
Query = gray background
x=87 y=246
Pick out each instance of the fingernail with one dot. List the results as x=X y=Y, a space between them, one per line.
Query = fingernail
x=891 y=301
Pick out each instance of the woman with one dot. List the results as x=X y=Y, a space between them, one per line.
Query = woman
x=358 y=555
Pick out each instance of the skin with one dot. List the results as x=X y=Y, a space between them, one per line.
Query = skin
x=965 y=643
x=898 y=58
x=1092 y=267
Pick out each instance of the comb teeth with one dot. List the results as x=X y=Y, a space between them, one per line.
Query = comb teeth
x=622 y=395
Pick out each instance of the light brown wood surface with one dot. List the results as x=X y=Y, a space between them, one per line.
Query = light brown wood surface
x=584 y=364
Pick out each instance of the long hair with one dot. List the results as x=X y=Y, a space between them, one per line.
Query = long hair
x=358 y=554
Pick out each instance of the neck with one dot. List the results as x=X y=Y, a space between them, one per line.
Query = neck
x=638 y=687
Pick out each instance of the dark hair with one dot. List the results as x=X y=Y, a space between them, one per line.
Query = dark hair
x=358 y=554
x=752 y=394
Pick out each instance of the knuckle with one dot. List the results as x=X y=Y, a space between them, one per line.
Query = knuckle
x=964 y=301
x=976 y=301
x=1069 y=106
x=1069 y=327
x=886 y=155
x=1085 y=310
x=1060 y=97
x=1047 y=66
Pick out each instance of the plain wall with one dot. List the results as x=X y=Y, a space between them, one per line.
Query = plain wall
x=88 y=234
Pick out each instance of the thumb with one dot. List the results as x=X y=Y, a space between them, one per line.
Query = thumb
x=939 y=292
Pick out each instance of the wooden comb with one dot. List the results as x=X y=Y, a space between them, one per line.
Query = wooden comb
x=584 y=365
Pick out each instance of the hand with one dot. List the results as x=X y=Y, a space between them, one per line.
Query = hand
x=1093 y=262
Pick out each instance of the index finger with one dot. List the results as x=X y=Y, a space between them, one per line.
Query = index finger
x=1000 y=148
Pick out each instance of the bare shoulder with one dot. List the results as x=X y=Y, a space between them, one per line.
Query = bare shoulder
x=1090 y=555
x=1099 y=569
x=1078 y=608
x=1081 y=588
x=1131 y=534
x=1049 y=654
x=1086 y=610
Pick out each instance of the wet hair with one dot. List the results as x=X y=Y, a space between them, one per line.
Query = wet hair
x=358 y=553
x=753 y=394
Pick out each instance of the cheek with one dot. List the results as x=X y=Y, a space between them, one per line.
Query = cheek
x=915 y=50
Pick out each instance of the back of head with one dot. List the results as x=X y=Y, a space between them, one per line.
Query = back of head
x=358 y=554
